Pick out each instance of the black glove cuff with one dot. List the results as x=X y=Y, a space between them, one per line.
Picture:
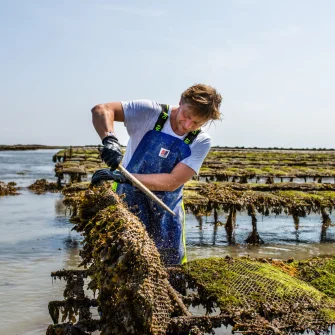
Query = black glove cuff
x=111 y=137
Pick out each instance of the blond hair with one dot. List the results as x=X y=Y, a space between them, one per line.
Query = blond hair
x=204 y=101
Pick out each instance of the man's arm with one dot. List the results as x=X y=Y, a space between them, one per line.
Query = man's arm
x=180 y=174
x=104 y=115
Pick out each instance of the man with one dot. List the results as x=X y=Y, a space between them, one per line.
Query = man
x=166 y=149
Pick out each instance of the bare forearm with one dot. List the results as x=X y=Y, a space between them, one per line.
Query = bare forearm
x=158 y=181
x=103 y=120
x=169 y=182
x=104 y=115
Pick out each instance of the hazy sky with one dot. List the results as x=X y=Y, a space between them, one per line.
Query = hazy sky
x=273 y=61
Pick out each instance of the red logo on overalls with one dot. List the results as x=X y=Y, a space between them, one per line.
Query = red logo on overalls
x=164 y=153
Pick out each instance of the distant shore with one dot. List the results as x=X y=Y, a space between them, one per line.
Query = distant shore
x=40 y=146
x=29 y=147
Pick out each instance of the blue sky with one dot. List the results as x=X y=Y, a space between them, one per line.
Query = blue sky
x=273 y=62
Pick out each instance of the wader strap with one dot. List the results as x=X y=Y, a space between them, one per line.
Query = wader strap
x=163 y=116
x=190 y=137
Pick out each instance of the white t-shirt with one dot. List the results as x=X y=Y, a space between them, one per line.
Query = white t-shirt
x=141 y=116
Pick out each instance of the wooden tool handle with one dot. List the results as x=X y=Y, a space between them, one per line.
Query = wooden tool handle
x=144 y=189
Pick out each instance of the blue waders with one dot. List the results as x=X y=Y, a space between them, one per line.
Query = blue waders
x=160 y=153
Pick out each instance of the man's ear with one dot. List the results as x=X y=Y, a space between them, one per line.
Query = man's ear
x=180 y=102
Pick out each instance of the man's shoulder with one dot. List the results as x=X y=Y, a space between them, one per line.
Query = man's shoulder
x=202 y=142
x=140 y=114
x=142 y=104
x=204 y=136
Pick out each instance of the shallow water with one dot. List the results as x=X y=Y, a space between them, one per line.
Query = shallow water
x=282 y=239
x=36 y=238
x=24 y=167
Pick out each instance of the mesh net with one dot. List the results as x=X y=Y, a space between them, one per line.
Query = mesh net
x=125 y=265
x=259 y=296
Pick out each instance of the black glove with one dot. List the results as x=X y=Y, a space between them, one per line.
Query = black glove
x=111 y=153
x=107 y=174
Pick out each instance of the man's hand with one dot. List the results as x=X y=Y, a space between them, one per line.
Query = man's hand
x=111 y=153
x=107 y=174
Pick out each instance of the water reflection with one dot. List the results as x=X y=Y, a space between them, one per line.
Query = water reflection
x=202 y=230
x=60 y=208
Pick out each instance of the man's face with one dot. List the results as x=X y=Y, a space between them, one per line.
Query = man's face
x=186 y=119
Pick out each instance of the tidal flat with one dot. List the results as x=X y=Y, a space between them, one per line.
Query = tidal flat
x=36 y=239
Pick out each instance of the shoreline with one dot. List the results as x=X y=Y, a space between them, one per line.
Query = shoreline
x=22 y=147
